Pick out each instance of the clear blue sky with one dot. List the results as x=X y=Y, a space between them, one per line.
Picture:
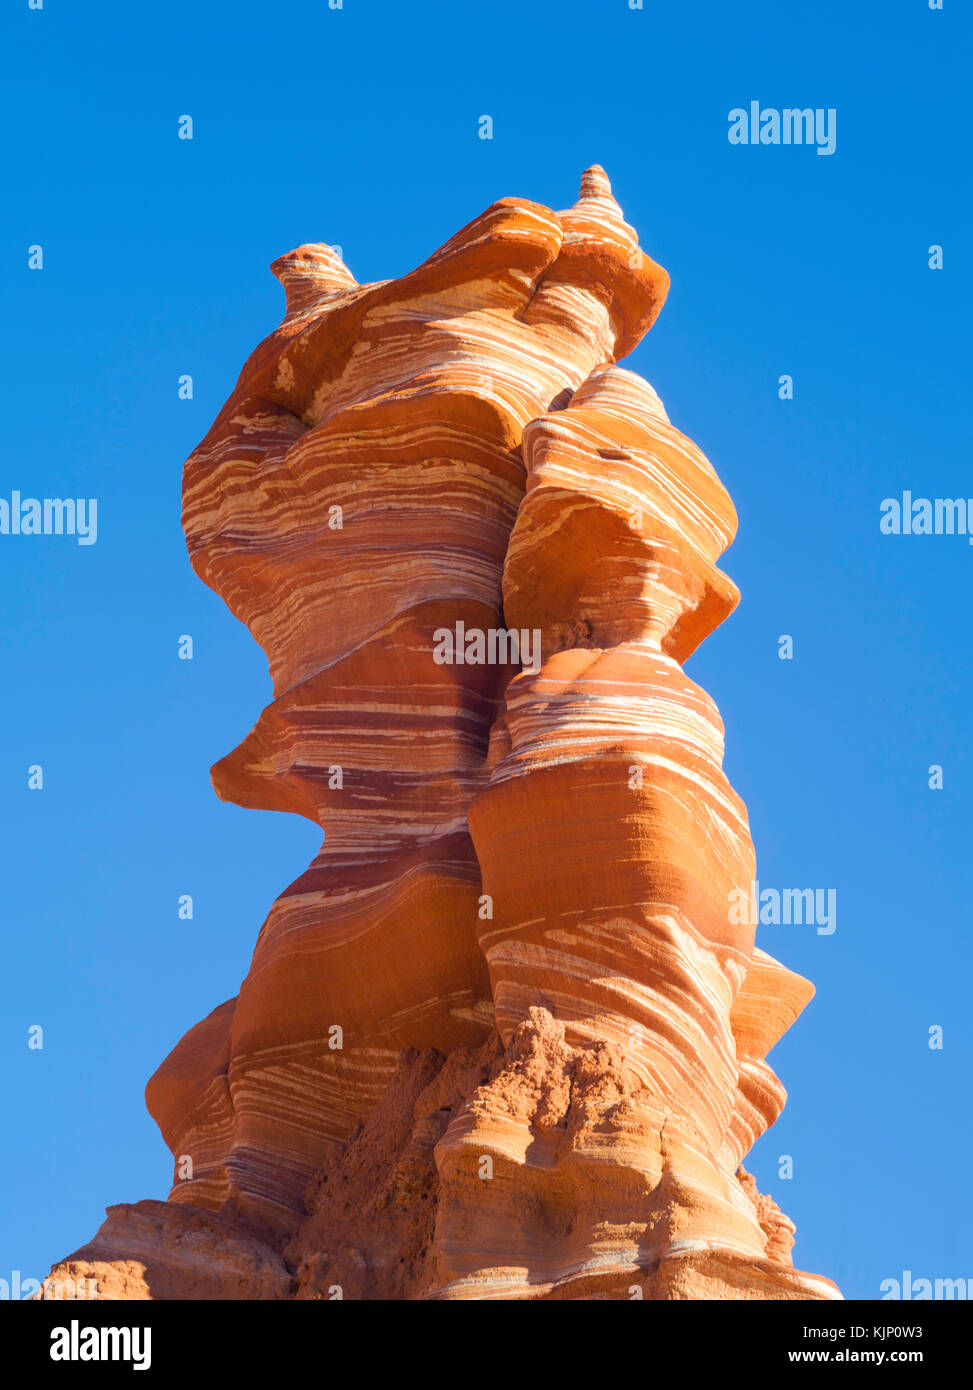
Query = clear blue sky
x=359 y=127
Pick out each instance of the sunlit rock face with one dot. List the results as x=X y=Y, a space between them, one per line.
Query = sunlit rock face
x=502 y=1038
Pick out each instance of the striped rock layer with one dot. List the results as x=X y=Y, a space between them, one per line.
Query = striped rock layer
x=501 y=1039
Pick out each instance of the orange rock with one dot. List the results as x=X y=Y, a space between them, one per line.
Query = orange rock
x=156 y=1250
x=502 y=1038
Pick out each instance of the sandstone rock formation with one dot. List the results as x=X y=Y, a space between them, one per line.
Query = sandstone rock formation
x=501 y=1039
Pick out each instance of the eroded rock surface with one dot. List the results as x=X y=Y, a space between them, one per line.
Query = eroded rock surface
x=502 y=1039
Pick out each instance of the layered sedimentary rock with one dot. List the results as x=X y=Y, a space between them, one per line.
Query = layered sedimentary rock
x=501 y=1039
x=156 y=1250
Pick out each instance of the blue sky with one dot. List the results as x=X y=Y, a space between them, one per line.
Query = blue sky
x=359 y=127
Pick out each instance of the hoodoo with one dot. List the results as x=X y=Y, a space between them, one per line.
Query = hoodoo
x=502 y=1039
